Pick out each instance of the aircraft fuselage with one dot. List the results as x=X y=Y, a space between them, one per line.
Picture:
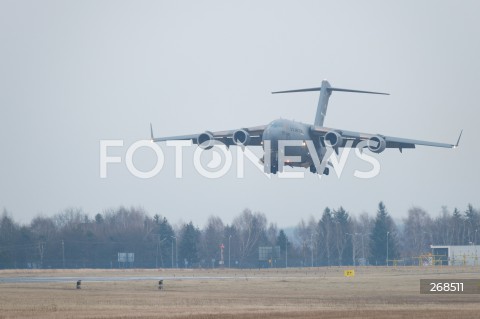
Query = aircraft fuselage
x=287 y=130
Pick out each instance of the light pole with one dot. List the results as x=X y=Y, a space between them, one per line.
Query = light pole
x=363 y=249
x=363 y=245
x=387 y=246
x=63 y=252
x=353 y=247
x=173 y=237
x=229 y=237
x=156 y=256
x=286 y=249
x=311 y=242
x=158 y=250
x=475 y=243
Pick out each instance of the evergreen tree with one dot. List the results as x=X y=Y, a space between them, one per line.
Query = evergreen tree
x=384 y=231
x=165 y=241
x=188 y=246
x=282 y=240
x=471 y=224
x=8 y=236
x=99 y=218
x=457 y=224
x=325 y=237
x=343 y=242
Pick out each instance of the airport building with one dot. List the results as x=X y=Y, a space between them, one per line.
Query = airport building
x=456 y=255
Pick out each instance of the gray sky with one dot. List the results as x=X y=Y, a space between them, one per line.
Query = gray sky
x=73 y=73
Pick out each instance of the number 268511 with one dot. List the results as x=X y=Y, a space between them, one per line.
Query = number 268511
x=446 y=286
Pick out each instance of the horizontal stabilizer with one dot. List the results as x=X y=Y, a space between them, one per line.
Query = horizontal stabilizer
x=329 y=89
x=325 y=92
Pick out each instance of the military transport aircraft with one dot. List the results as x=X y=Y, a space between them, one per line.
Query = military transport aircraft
x=317 y=135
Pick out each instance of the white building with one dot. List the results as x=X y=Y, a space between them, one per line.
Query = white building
x=456 y=255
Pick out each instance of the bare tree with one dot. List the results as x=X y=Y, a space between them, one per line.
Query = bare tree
x=250 y=228
x=363 y=228
x=325 y=233
x=302 y=233
x=441 y=228
x=457 y=227
x=44 y=232
x=272 y=233
x=417 y=232
x=69 y=219
x=213 y=236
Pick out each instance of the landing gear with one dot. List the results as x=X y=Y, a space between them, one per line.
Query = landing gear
x=313 y=170
x=326 y=171
x=272 y=167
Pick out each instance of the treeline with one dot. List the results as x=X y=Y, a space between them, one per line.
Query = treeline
x=73 y=239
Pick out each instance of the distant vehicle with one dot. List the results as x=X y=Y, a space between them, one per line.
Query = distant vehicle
x=286 y=130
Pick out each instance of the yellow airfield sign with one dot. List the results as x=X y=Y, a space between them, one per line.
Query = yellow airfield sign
x=349 y=273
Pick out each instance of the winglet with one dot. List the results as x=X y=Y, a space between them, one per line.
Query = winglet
x=151 y=132
x=458 y=141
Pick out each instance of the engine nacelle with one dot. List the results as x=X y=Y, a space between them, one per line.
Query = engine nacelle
x=206 y=140
x=377 y=144
x=241 y=137
x=333 y=139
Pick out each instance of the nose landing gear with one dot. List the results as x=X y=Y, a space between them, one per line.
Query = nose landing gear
x=313 y=169
x=272 y=167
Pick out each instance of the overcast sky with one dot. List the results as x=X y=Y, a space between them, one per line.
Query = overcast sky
x=73 y=73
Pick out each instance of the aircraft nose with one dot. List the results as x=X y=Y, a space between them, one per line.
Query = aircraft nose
x=269 y=134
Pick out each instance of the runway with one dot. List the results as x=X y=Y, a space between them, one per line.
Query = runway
x=381 y=292
x=108 y=279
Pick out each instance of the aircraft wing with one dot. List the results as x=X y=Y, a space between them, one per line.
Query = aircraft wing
x=391 y=142
x=225 y=137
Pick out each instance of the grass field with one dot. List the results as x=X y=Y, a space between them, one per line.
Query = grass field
x=374 y=292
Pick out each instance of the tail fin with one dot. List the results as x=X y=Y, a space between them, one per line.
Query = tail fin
x=325 y=92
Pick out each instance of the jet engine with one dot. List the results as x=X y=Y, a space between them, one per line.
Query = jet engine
x=241 y=137
x=206 y=140
x=377 y=144
x=333 y=139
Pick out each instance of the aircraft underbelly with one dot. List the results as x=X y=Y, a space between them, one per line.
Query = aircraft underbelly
x=300 y=153
x=289 y=131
